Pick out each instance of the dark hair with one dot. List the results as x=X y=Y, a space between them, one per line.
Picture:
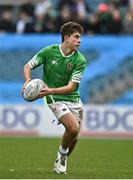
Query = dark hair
x=69 y=28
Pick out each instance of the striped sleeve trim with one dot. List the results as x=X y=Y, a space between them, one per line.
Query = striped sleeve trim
x=76 y=78
x=33 y=63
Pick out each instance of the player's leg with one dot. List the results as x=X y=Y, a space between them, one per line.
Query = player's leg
x=74 y=142
x=78 y=113
x=71 y=131
x=70 y=119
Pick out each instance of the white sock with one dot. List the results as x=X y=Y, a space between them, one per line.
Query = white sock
x=62 y=150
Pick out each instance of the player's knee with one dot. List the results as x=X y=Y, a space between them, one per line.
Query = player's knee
x=74 y=131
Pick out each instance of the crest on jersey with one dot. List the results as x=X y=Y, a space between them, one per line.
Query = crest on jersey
x=69 y=66
x=54 y=61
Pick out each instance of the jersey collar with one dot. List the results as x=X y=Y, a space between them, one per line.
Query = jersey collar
x=64 y=54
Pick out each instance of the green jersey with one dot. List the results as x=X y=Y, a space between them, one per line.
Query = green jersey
x=59 y=69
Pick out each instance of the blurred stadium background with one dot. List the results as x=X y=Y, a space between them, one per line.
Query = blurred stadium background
x=106 y=88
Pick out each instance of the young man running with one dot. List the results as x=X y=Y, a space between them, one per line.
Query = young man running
x=63 y=66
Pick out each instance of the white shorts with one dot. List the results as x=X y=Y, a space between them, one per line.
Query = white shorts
x=63 y=107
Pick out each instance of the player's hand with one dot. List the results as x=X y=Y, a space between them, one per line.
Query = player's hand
x=23 y=88
x=44 y=92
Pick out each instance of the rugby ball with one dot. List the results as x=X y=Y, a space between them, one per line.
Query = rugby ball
x=32 y=89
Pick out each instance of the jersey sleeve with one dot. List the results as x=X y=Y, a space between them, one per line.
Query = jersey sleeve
x=38 y=59
x=78 y=72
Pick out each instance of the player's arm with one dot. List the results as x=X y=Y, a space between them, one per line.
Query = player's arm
x=61 y=90
x=65 y=89
x=27 y=72
x=36 y=61
x=27 y=75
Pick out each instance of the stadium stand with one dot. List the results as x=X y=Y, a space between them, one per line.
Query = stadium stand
x=107 y=77
x=99 y=17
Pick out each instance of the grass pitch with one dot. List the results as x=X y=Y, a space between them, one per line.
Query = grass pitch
x=33 y=158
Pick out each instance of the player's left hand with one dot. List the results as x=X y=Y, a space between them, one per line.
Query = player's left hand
x=44 y=92
x=23 y=88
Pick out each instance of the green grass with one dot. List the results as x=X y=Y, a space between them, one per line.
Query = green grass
x=32 y=158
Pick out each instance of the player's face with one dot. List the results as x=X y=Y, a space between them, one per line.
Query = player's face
x=73 y=41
